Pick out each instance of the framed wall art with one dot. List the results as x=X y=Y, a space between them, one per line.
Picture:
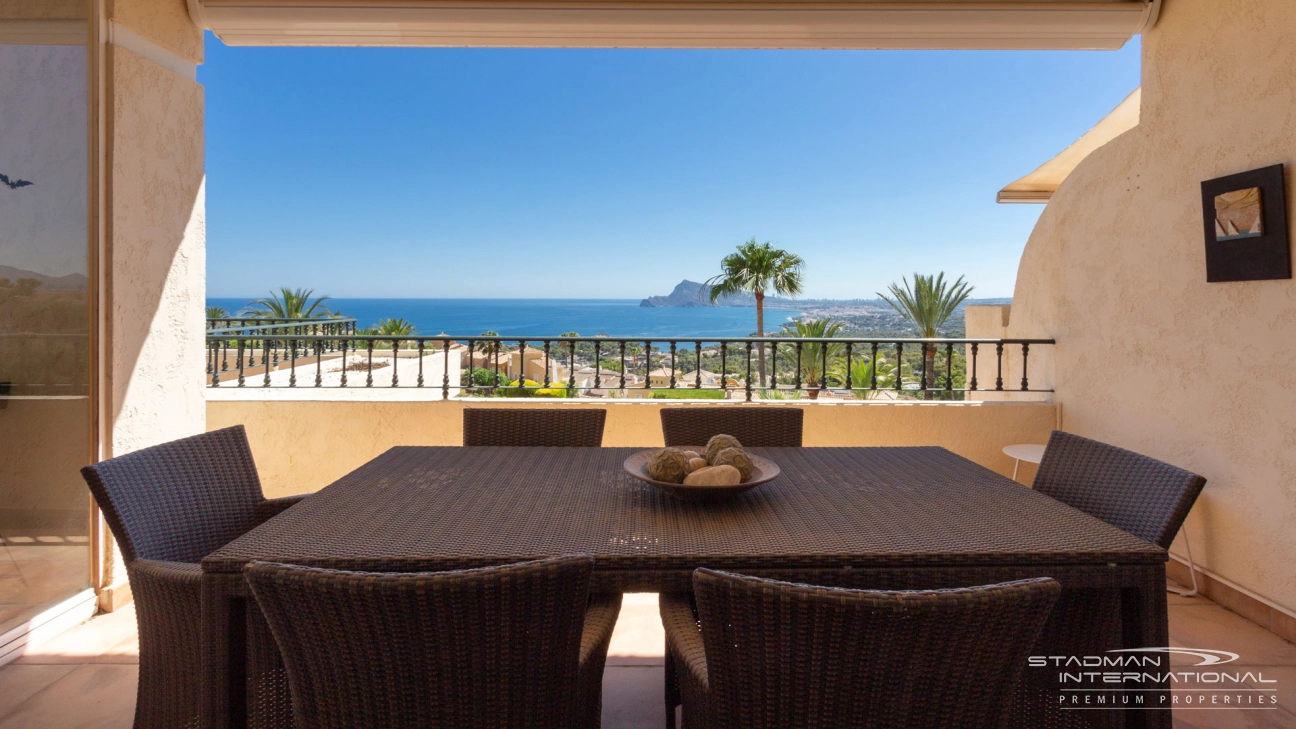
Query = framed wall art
x=1245 y=219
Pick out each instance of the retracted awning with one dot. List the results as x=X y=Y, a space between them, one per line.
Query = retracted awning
x=1039 y=186
x=863 y=24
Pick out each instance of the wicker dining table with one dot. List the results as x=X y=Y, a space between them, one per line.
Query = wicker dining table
x=887 y=518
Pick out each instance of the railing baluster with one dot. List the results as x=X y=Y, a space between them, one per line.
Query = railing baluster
x=347 y=345
x=1025 y=353
x=922 y=371
x=623 y=346
x=265 y=381
x=215 y=374
x=672 y=380
x=292 y=364
x=647 y=365
x=598 y=365
x=571 y=369
x=547 y=365
x=873 y=359
x=445 y=369
x=724 y=368
x=850 y=381
x=749 y=372
x=697 y=366
x=973 y=384
x=899 y=366
x=470 y=366
x=319 y=363
x=797 y=385
x=999 y=366
x=240 y=362
x=395 y=361
x=949 y=367
x=369 y=374
x=773 y=381
x=420 y=359
x=823 y=357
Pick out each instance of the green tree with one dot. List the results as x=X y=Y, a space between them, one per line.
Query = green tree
x=756 y=268
x=816 y=357
x=290 y=304
x=217 y=312
x=927 y=305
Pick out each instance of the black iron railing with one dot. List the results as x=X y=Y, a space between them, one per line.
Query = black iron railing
x=725 y=367
x=268 y=338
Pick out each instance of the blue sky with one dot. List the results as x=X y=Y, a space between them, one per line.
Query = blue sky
x=616 y=173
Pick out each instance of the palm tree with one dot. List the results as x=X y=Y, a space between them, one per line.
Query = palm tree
x=393 y=327
x=928 y=304
x=814 y=354
x=290 y=304
x=755 y=268
x=390 y=328
x=859 y=376
x=217 y=312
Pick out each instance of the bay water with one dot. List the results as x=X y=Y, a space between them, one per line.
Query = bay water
x=549 y=317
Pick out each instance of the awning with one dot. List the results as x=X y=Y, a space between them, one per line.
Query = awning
x=1038 y=186
x=861 y=24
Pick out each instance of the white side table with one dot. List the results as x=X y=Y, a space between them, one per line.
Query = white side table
x=1029 y=452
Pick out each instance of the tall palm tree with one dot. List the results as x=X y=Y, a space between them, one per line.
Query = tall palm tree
x=928 y=304
x=217 y=312
x=290 y=304
x=755 y=268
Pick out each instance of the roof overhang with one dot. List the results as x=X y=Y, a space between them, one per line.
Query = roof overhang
x=1039 y=186
x=862 y=24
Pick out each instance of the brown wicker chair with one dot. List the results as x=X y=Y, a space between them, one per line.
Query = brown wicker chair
x=761 y=653
x=169 y=506
x=569 y=427
x=511 y=646
x=1145 y=497
x=756 y=427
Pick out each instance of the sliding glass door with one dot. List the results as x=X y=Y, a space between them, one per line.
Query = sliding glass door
x=45 y=308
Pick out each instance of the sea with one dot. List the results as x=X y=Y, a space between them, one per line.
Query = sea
x=550 y=317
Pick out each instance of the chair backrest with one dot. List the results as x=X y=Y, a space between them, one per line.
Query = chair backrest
x=753 y=426
x=492 y=647
x=784 y=655
x=1145 y=497
x=571 y=427
x=179 y=501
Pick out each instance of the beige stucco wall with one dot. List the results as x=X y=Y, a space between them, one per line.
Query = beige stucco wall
x=154 y=276
x=302 y=446
x=1149 y=355
x=157 y=279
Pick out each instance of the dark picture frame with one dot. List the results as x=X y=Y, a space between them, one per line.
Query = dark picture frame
x=1248 y=256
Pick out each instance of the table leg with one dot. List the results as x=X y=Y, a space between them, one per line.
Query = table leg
x=1016 y=465
x=1145 y=623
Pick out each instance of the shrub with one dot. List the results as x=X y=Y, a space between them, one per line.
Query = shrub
x=531 y=388
x=688 y=393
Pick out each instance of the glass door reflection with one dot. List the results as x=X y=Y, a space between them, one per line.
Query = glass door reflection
x=45 y=406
